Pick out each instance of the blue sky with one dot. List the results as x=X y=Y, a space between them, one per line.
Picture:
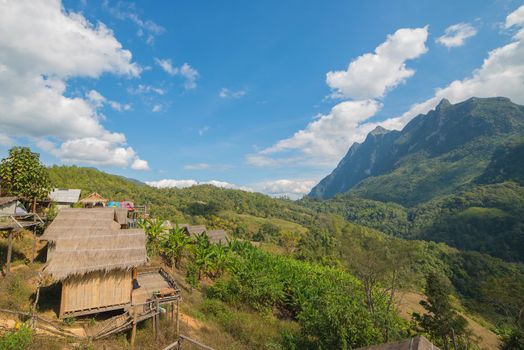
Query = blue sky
x=238 y=92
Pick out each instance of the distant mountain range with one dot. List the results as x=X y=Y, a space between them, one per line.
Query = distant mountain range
x=453 y=175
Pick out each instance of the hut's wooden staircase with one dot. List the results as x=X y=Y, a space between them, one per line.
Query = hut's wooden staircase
x=112 y=325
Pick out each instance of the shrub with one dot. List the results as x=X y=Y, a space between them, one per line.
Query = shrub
x=19 y=339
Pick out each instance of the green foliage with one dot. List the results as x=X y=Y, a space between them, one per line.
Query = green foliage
x=174 y=244
x=442 y=322
x=15 y=292
x=327 y=303
x=22 y=175
x=19 y=339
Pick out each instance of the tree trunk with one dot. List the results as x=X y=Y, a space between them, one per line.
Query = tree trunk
x=173 y=266
x=9 y=252
x=34 y=205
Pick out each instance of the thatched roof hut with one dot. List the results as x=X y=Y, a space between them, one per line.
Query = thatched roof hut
x=8 y=205
x=94 y=200
x=64 y=197
x=193 y=230
x=92 y=256
x=217 y=236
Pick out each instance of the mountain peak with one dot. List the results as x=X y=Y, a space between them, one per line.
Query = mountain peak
x=444 y=103
x=379 y=131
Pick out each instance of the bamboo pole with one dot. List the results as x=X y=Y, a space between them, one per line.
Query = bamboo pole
x=133 y=331
x=157 y=321
x=177 y=318
x=9 y=252
x=33 y=249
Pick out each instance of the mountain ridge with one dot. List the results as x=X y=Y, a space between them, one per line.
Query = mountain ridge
x=444 y=149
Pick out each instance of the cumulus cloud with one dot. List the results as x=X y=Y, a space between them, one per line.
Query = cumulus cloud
x=98 y=101
x=501 y=74
x=372 y=74
x=140 y=164
x=186 y=71
x=170 y=183
x=51 y=46
x=227 y=93
x=293 y=189
x=457 y=34
x=324 y=140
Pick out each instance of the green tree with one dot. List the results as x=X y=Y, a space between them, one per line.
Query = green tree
x=174 y=245
x=23 y=175
x=202 y=255
x=154 y=229
x=442 y=322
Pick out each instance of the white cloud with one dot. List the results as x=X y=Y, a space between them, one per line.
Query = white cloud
x=49 y=47
x=156 y=108
x=372 y=74
x=140 y=164
x=227 y=93
x=186 y=71
x=325 y=140
x=147 y=29
x=457 y=34
x=167 y=66
x=501 y=74
x=98 y=101
x=197 y=166
x=170 y=183
x=141 y=89
x=190 y=74
x=95 y=151
x=293 y=189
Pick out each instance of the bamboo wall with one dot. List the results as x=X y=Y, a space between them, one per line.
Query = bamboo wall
x=95 y=290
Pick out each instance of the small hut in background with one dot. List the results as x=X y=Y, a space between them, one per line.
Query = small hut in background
x=93 y=258
x=215 y=236
x=94 y=200
x=8 y=206
x=64 y=198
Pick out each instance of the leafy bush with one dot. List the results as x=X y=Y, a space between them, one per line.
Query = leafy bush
x=16 y=340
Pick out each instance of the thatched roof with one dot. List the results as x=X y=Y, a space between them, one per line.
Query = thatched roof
x=87 y=240
x=64 y=195
x=193 y=230
x=6 y=200
x=217 y=236
x=416 y=343
x=121 y=215
x=93 y=198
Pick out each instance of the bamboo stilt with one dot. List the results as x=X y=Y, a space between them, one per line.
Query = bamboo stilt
x=33 y=249
x=9 y=252
x=133 y=331
x=177 y=318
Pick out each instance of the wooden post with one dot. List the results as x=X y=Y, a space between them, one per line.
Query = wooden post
x=154 y=326
x=133 y=331
x=157 y=321
x=9 y=252
x=172 y=312
x=177 y=319
x=33 y=250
